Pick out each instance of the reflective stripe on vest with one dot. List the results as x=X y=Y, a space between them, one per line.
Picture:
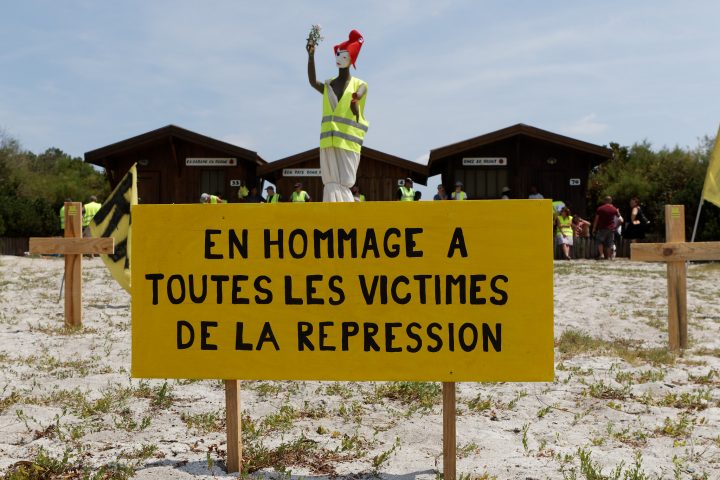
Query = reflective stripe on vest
x=340 y=128
x=407 y=194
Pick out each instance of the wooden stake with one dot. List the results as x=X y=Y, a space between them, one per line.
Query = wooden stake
x=676 y=277
x=449 y=434
x=234 y=425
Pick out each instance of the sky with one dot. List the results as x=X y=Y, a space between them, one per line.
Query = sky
x=79 y=75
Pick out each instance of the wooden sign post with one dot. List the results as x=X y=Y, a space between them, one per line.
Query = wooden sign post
x=675 y=252
x=449 y=433
x=233 y=425
x=73 y=246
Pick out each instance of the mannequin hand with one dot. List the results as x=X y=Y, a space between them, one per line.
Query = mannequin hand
x=355 y=111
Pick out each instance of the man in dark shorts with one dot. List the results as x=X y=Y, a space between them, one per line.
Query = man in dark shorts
x=604 y=227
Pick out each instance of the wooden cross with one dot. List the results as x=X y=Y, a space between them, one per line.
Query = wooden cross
x=675 y=252
x=73 y=246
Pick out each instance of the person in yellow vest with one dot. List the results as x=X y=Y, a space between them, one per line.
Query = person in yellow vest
x=299 y=195
x=458 y=194
x=206 y=198
x=62 y=214
x=89 y=211
x=406 y=192
x=359 y=197
x=271 y=197
x=564 y=231
x=343 y=125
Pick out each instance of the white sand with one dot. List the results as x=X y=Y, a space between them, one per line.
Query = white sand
x=527 y=433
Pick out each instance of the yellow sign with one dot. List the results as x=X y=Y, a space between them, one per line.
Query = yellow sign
x=442 y=291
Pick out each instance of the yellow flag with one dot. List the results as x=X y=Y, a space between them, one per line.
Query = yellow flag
x=711 y=189
x=113 y=220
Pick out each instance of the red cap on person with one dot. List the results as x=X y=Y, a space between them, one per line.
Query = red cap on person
x=352 y=45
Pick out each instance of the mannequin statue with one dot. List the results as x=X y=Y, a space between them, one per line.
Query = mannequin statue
x=343 y=124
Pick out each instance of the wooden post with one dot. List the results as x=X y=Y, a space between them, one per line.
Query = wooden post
x=234 y=425
x=676 y=279
x=73 y=246
x=73 y=267
x=449 y=433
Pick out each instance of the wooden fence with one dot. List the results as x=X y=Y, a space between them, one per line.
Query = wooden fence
x=14 y=246
x=587 y=248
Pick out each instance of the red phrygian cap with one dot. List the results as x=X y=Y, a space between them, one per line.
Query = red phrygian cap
x=352 y=45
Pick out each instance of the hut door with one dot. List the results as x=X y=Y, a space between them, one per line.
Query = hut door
x=554 y=185
x=482 y=183
x=148 y=185
x=213 y=182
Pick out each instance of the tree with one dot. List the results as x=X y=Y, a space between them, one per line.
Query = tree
x=34 y=187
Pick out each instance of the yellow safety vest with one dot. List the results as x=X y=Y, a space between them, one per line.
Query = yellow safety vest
x=461 y=196
x=298 y=196
x=62 y=217
x=407 y=194
x=339 y=127
x=90 y=210
x=565 y=226
x=274 y=198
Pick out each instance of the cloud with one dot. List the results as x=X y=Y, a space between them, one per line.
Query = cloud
x=587 y=126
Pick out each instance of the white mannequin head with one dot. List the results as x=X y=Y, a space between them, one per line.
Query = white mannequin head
x=342 y=59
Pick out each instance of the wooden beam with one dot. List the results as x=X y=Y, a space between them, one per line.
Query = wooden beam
x=71 y=246
x=685 y=252
x=233 y=425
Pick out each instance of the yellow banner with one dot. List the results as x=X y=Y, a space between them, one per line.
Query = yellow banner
x=441 y=291
x=113 y=220
x=711 y=188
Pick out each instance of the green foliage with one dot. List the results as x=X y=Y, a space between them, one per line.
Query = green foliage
x=658 y=178
x=34 y=187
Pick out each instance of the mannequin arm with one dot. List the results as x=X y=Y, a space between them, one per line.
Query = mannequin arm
x=311 y=69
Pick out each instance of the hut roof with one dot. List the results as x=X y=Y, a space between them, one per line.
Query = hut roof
x=101 y=155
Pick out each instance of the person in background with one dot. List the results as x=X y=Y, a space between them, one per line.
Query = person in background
x=581 y=227
x=207 y=198
x=406 y=192
x=564 y=231
x=272 y=197
x=62 y=214
x=89 y=211
x=604 y=226
x=534 y=193
x=440 y=195
x=299 y=195
x=359 y=197
x=458 y=194
x=254 y=196
x=635 y=228
x=505 y=193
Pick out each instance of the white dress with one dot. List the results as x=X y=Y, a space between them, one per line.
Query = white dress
x=337 y=165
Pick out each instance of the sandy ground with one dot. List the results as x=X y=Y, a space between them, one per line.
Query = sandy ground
x=626 y=403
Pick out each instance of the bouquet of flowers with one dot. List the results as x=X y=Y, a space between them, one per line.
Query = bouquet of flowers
x=314 y=37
